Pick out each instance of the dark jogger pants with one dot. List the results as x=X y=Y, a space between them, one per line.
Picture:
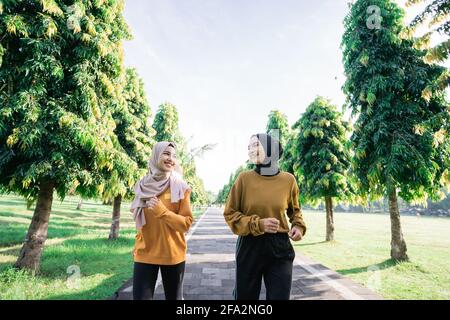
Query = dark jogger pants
x=144 y=280
x=269 y=257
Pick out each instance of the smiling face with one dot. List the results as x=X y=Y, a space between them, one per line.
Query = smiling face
x=256 y=152
x=166 y=161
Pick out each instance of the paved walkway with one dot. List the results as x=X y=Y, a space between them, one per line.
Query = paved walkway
x=210 y=269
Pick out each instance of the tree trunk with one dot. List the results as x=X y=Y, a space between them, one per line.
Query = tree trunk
x=398 y=244
x=330 y=222
x=114 y=232
x=80 y=203
x=30 y=254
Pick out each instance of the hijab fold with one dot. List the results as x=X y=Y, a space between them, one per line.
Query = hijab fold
x=155 y=182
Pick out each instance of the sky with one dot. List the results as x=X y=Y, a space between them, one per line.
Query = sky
x=225 y=64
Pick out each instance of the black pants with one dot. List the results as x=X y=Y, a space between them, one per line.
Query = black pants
x=144 y=280
x=268 y=256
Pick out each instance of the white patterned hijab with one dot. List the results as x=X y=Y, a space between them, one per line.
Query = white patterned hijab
x=155 y=182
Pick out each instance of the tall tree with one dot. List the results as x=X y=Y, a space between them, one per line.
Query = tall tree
x=165 y=124
x=387 y=87
x=278 y=121
x=322 y=157
x=56 y=128
x=134 y=133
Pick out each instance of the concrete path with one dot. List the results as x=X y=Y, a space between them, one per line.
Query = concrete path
x=210 y=269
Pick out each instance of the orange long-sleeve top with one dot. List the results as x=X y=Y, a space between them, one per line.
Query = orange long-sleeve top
x=161 y=240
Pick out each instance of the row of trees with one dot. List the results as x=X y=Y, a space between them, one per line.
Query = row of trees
x=73 y=119
x=399 y=144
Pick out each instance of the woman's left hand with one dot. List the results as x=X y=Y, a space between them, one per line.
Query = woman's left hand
x=153 y=202
x=295 y=234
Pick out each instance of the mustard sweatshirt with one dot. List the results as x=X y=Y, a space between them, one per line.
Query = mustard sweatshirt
x=161 y=240
x=254 y=197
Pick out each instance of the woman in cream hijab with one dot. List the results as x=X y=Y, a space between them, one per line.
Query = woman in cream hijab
x=162 y=212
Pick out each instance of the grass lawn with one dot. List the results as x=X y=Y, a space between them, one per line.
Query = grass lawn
x=77 y=241
x=361 y=251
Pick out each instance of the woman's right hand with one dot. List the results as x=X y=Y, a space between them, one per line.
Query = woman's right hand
x=271 y=225
x=152 y=202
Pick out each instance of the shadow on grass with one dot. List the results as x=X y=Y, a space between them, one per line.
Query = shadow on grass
x=389 y=263
x=60 y=214
x=14 y=234
x=64 y=207
x=8 y=202
x=98 y=256
x=61 y=224
x=27 y=214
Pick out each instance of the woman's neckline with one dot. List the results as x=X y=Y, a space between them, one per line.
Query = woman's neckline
x=267 y=177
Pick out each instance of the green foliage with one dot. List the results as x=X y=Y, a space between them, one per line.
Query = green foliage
x=278 y=120
x=166 y=124
x=134 y=136
x=437 y=12
x=321 y=154
x=61 y=63
x=287 y=160
x=400 y=137
x=223 y=193
x=133 y=129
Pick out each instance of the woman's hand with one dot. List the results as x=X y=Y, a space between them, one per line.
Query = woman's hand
x=295 y=234
x=153 y=202
x=271 y=225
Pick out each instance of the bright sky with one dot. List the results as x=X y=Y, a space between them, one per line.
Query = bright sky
x=226 y=63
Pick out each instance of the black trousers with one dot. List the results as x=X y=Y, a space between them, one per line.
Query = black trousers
x=145 y=276
x=269 y=257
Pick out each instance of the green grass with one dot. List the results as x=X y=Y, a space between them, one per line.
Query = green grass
x=77 y=240
x=361 y=251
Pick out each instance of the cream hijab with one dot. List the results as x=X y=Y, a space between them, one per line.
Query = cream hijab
x=156 y=182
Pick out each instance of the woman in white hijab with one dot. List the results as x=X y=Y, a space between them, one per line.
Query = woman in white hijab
x=162 y=212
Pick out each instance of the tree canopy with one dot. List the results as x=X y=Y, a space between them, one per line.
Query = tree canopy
x=59 y=64
x=321 y=154
x=393 y=93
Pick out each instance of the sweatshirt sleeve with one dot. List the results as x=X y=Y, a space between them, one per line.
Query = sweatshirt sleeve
x=180 y=221
x=238 y=222
x=294 y=210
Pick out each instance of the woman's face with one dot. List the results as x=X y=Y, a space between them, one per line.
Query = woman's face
x=167 y=159
x=256 y=151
